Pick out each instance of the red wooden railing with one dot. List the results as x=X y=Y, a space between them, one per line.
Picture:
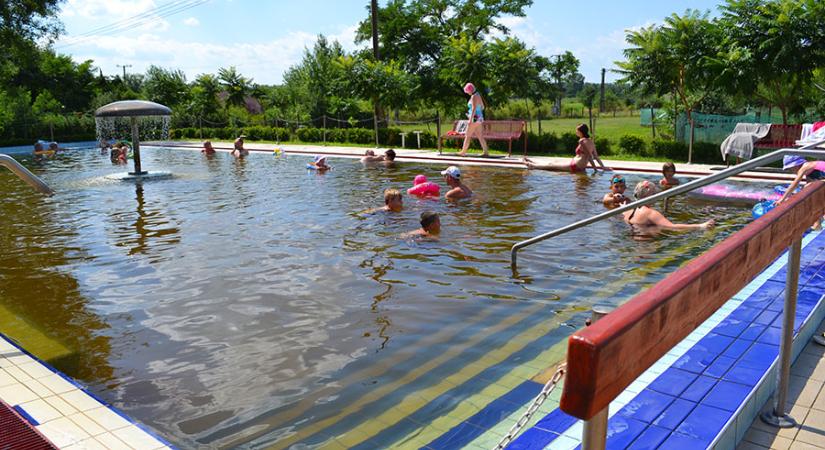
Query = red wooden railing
x=603 y=359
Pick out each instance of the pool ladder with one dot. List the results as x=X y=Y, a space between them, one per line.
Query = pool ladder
x=672 y=192
x=24 y=174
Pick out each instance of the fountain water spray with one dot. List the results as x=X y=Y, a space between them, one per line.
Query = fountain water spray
x=110 y=120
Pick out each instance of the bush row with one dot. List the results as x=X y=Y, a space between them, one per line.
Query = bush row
x=546 y=143
x=703 y=152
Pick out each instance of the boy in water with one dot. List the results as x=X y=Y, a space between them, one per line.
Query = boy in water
x=430 y=226
x=393 y=202
x=457 y=189
x=615 y=197
x=389 y=157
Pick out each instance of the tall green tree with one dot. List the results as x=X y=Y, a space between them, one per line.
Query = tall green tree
x=426 y=38
x=676 y=57
x=562 y=68
x=317 y=82
x=235 y=85
x=165 y=86
x=772 y=48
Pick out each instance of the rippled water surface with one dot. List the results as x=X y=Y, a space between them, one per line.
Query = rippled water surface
x=242 y=302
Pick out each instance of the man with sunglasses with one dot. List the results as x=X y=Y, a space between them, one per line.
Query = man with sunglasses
x=615 y=197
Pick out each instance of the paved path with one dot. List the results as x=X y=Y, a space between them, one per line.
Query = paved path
x=807 y=394
x=654 y=168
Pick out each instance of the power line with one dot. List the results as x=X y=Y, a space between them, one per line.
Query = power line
x=148 y=13
x=138 y=20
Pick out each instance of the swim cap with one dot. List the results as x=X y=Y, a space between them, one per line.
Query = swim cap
x=319 y=158
x=791 y=161
x=469 y=88
x=419 y=179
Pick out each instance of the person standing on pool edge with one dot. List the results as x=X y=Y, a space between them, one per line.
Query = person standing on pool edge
x=585 y=154
x=475 y=120
x=457 y=189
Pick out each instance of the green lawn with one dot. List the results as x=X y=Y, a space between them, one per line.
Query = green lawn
x=608 y=127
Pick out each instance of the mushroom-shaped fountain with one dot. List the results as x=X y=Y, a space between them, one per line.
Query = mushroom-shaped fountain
x=133 y=110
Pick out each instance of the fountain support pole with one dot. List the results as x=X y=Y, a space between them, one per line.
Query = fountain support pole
x=136 y=148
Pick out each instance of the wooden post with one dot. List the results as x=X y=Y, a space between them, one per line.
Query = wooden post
x=438 y=129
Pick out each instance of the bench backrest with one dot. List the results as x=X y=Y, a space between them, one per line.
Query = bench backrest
x=511 y=127
x=781 y=136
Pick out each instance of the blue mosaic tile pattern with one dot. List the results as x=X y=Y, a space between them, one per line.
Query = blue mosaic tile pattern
x=689 y=404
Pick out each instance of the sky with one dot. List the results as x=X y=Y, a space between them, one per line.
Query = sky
x=262 y=39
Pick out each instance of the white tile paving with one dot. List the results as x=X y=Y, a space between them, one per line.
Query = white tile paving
x=65 y=414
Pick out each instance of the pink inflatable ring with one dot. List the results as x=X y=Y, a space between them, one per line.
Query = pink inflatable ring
x=423 y=187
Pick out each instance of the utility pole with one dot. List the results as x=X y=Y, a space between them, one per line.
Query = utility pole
x=377 y=56
x=124 y=66
x=601 y=97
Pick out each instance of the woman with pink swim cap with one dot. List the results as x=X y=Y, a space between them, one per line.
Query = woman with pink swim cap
x=475 y=118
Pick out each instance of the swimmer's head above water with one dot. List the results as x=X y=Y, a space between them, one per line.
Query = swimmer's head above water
x=430 y=222
x=393 y=200
x=644 y=189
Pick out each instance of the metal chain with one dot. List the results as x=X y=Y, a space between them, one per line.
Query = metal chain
x=537 y=402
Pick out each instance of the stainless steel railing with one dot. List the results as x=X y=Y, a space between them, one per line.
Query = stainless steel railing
x=25 y=174
x=672 y=192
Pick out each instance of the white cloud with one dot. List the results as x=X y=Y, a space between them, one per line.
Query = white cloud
x=265 y=62
x=191 y=22
x=107 y=9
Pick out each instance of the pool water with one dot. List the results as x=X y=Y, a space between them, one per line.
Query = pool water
x=250 y=303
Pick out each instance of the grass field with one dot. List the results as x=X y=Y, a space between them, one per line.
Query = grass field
x=608 y=127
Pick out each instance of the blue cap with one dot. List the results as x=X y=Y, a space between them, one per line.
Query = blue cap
x=791 y=161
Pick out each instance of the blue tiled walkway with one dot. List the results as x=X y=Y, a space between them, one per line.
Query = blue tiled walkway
x=692 y=403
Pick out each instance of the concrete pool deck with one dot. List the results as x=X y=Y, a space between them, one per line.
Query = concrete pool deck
x=450 y=157
x=62 y=410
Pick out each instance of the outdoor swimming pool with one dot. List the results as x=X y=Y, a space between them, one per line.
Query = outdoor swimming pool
x=249 y=303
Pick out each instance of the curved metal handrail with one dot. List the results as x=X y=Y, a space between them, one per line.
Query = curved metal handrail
x=24 y=174
x=674 y=191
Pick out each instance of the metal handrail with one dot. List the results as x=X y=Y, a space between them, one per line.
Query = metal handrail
x=24 y=174
x=674 y=191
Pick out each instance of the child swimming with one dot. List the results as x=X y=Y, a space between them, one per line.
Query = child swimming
x=430 y=227
x=616 y=196
x=669 y=176
x=319 y=163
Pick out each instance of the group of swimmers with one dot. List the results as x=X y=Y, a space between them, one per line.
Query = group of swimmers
x=238 y=150
x=41 y=152
x=647 y=218
x=430 y=221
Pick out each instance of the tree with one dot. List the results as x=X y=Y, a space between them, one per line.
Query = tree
x=677 y=57
x=587 y=97
x=563 y=68
x=167 y=87
x=204 y=103
x=425 y=37
x=317 y=82
x=235 y=85
x=772 y=48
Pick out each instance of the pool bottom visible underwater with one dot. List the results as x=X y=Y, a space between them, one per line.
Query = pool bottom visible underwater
x=251 y=303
